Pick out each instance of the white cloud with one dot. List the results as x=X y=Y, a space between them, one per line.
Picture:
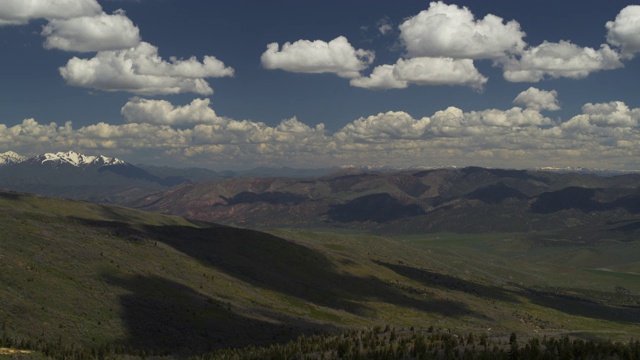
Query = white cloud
x=131 y=136
x=147 y=62
x=303 y=56
x=624 y=32
x=454 y=122
x=91 y=33
x=537 y=99
x=140 y=70
x=439 y=71
x=123 y=62
x=290 y=133
x=442 y=43
x=381 y=78
x=612 y=114
x=138 y=110
x=450 y=31
x=20 y=12
x=423 y=71
x=382 y=127
x=562 y=59
x=514 y=117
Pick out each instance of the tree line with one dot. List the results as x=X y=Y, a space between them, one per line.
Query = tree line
x=375 y=343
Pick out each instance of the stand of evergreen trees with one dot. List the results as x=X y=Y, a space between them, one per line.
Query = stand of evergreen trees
x=392 y=344
x=376 y=343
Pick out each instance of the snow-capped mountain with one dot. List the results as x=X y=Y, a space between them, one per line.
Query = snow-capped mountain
x=78 y=176
x=75 y=159
x=11 y=157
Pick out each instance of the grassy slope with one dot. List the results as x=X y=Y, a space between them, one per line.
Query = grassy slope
x=92 y=274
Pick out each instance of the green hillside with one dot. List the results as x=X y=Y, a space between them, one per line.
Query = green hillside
x=109 y=279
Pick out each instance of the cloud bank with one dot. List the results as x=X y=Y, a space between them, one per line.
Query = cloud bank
x=157 y=131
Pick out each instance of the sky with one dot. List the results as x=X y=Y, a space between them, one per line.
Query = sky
x=237 y=84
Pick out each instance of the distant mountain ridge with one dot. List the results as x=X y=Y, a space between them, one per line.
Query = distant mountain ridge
x=465 y=200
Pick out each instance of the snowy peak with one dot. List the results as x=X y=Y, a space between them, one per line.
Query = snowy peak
x=11 y=157
x=77 y=160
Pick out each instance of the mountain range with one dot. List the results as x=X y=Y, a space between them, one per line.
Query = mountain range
x=581 y=205
x=111 y=180
x=467 y=200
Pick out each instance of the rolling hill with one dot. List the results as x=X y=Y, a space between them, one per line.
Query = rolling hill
x=80 y=275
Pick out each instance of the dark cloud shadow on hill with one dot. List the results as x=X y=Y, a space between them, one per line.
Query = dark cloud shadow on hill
x=110 y=213
x=567 y=304
x=276 y=264
x=379 y=208
x=9 y=195
x=628 y=227
x=583 y=307
x=585 y=200
x=432 y=279
x=166 y=317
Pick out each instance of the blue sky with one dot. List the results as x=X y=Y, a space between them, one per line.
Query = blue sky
x=237 y=84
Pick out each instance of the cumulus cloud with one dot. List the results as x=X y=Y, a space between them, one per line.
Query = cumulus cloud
x=131 y=136
x=443 y=42
x=454 y=122
x=303 y=56
x=138 y=110
x=537 y=99
x=382 y=77
x=290 y=133
x=611 y=114
x=624 y=31
x=561 y=59
x=439 y=71
x=423 y=71
x=451 y=31
x=91 y=33
x=141 y=70
x=123 y=62
x=20 y=12
x=382 y=127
